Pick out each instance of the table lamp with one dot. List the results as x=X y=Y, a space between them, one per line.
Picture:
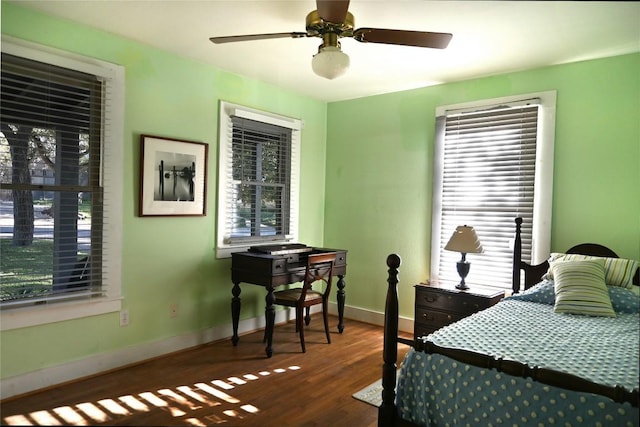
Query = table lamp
x=465 y=241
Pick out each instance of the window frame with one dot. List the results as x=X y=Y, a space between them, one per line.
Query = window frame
x=112 y=133
x=224 y=247
x=543 y=181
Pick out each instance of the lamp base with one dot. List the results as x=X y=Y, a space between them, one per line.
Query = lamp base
x=462 y=286
x=463 y=269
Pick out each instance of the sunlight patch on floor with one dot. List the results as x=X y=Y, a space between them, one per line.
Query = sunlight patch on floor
x=217 y=393
x=134 y=403
x=188 y=391
x=44 y=418
x=70 y=417
x=223 y=385
x=153 y=399
x=114 y=407
x=194 y=422
x=250 y=408
x=179 y=402
x=236 y=380
x=93 y=412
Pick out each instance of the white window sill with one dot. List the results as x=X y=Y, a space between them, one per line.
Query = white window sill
x=42 y=314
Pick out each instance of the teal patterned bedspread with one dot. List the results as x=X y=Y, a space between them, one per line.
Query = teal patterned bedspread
x=434 y=390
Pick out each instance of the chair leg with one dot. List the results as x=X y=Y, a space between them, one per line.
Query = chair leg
x=300 y=327
x=307 y=318
x=325 y=317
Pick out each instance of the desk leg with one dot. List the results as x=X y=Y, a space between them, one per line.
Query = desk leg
x=341 y=299
x=235 y=311
x=270 y=315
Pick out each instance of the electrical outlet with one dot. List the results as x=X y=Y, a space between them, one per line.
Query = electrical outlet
x=124 y=317
x=173 y=310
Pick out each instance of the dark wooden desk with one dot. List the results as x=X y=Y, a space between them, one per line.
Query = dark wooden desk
x=272 y=271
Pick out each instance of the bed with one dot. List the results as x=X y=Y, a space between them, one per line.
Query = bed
x=557 y=351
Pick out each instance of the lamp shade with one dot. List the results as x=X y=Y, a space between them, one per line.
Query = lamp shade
x=330 y=62
x=464 y=240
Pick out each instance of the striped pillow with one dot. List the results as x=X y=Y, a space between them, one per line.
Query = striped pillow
x=617 y=271
x=580 y=288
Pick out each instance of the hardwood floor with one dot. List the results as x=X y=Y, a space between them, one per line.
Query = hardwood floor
x=218 y=384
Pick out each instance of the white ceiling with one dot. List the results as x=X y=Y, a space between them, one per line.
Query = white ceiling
x=489 y=37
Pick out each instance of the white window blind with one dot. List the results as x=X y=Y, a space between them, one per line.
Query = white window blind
x=258 y=193
x=60 y=212
x=261 y=164
x=486 y=166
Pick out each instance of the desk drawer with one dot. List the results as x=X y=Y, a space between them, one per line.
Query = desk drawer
x=341 y=256
x=271 y=264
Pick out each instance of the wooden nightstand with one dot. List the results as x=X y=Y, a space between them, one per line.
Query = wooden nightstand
x=437 y=305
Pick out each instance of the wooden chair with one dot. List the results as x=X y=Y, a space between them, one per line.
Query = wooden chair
x=319 y=268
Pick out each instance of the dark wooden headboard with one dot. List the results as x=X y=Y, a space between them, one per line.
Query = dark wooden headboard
x=533 y=273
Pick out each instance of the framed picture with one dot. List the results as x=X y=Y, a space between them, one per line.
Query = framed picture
x=173 y=176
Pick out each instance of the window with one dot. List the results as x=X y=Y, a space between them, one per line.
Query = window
x=493 y=162
x=60 y=202
x=258 y=178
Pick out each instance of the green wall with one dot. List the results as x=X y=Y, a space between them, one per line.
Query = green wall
x=165 y=260
x=378 y=183
x=380 y=167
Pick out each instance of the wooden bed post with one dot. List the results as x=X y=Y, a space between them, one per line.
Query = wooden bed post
x=532 y=273
x=517 y=257
x=387 y=412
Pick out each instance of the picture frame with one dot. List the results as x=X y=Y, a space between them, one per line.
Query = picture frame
x=173 y=177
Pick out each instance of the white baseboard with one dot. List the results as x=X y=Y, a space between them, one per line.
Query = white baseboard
x=92 y=365
x=405 y=324
x=46 y=377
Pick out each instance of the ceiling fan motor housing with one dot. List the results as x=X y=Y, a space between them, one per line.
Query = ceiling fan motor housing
x=317 y=26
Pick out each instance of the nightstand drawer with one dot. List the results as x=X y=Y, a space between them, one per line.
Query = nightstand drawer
x=435 y=319
x=447 y=301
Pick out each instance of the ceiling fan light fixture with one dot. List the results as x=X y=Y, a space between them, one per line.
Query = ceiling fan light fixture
x=330 y=62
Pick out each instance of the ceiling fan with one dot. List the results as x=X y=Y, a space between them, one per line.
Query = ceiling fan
x=331 y=21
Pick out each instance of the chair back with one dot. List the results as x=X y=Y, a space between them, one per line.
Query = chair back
x=319 y=268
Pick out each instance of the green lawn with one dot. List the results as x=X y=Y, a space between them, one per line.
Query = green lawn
x=25 y=269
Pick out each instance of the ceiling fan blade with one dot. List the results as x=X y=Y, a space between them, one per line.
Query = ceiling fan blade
x=229 y=39
x=333 y=11
x=403 y=37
